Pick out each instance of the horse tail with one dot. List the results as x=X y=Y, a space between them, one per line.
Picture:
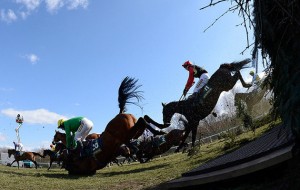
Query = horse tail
x=38 y=154
x=127 y=90
x=237 y=65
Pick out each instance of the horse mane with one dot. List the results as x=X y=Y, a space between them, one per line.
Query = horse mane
x=127 y=90
x=236 y=65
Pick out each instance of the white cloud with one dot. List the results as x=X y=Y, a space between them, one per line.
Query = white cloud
x=74 y=4
x=8 y=16
x=24 y=15
x=26 y=7
x=38 y=116
x=29 y=4
x=33 y=59
x=54 y=5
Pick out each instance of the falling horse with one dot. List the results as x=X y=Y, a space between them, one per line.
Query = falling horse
x=147 y=150
x=118 y=131
x=60 y=138
x=222 y=80
x=24 y=156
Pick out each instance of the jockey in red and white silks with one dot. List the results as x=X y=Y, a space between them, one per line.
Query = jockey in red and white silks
x=195 y=72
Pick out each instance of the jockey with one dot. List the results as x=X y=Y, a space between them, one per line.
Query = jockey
x=76 y=129
x=19 y=119
x=195 y=72
x=255 y=78
x=18 y=146
x=52 y=147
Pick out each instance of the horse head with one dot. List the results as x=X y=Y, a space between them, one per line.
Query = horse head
x=10 y=152
x=168 y=112
x=59 y=146
x=58 y=137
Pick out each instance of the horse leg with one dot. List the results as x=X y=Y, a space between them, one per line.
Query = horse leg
x=139 y=127
x=194 y=133
x=153 y=131
x=186 y=134
x=35 y=163
x=149 y=120
x=244 y=84
x=132 y=158
x=50 y=164
x=12 y=163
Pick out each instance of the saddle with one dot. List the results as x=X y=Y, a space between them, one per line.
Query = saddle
x=88 y=148
x=199 y=97
x=19 y=153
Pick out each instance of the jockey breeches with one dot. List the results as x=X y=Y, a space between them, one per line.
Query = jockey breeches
x=201 y=82
x=84 y=129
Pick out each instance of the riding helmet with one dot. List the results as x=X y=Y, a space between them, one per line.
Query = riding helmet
x=60 y=122
x=186 y=64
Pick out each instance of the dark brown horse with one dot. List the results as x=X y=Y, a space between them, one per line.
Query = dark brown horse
x=24 y=156
x=147 y=150
x=118 y=131
x=222 y=80
x=55 y=155
x=93 y=136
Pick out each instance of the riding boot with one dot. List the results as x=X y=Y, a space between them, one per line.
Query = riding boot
x=76 y=152
x=79 y=148
x=155 y=132
x=198 y=100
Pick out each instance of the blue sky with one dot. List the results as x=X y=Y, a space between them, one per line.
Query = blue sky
x=65 y=58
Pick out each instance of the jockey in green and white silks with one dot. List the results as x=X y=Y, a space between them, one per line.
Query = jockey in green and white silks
x=77 y=129
x=256 y=82
x=255 y=78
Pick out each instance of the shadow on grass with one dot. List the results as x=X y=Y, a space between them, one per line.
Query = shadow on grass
x=56 y=175
x=39 y=174
x=109 y=174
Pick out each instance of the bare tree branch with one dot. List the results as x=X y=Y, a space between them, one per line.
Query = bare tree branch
x=212 y=3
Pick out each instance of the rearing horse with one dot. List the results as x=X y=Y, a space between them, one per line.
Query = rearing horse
x=118 y=131
x=223 y=79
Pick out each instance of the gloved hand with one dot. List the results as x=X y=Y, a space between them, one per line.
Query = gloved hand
x=185 y=91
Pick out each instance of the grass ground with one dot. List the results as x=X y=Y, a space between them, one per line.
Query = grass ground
x=129 y=176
